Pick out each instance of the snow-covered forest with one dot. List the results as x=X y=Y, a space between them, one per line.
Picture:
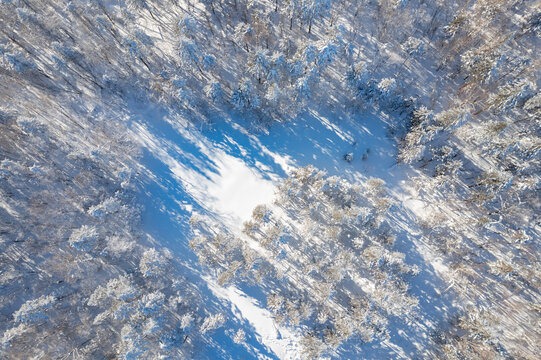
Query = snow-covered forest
x=270 y=179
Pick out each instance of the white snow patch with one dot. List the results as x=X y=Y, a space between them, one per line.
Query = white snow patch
x=229 y=188
x=237 y=189
x=418 y=207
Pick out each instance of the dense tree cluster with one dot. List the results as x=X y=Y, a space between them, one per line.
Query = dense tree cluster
x=323 y=255
x=76 y=269
x=480 y=161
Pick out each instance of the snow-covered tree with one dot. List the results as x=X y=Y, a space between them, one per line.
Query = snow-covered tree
x=386 y=87
x=151 y=263
x=18 y=62
x=212 y=322
x=190 y=54
x=84 y=238
x=413 y=46
x=534 y=102
x=243 y=35
x=302 y=87
x=34 y=310
x=12 y=334
x=209 y=62
x=188 y=27
x=121 y=289
x=244 y=96
x=508 y=95
x=108 y=206
x=326 y=55
x=312 y=10
x=240 y=337
x=259 y=65
x=215 y=92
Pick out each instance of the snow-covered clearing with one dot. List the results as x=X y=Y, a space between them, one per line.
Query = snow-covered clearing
x=225 y=172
